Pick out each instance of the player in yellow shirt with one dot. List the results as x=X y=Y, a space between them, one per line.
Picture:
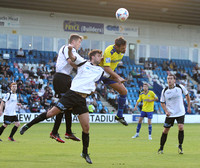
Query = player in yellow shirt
x=112 y=56
x=148 y=97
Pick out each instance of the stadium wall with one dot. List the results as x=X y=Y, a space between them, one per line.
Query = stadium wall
x=106 y=118
x=37 y=23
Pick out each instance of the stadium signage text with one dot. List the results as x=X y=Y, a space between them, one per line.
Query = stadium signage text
x=94 y=118
x=9 y=21
x=121 y=30
x=83 y=27
x=105 y=118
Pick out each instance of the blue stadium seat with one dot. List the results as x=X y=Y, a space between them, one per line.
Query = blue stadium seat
x=45 y=81
x=16 y=70
x=100 y=106
x=28 y=95
x=106 y=109
x=49 y=101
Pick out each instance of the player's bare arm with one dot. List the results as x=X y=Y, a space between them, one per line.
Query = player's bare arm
x=165 y=109
x=1 y=108
x=135 y=108
x=188 y=102
x=71 y=56
x=71 y=63
x=19 y=104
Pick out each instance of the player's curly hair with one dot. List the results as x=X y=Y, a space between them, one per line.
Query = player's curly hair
x=120 y=41
x=94 y=52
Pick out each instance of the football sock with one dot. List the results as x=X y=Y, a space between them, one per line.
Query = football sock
x=163 y=140
x=138 y=128
x=2 y=129
x=85 y=139
x=121 y=105
x=57 y=123
x=68 y=119
x=180 y=137
x=39 y=118
x=13 y=131
x=150 y=129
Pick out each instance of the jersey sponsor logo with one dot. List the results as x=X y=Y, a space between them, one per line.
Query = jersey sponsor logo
x=173 y=97
x=113 y=51
x=107 y=60
x=115 y=61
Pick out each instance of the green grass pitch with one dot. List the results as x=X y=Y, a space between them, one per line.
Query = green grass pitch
x=111 y=146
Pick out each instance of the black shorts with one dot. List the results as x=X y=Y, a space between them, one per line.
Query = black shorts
x=61 y=83
x=169 y=121
x=72 y=100
x=9 y=119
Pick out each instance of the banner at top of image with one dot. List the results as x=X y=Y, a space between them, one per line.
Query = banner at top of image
x=83 y=27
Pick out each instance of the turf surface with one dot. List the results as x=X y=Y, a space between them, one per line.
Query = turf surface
x=111 y=145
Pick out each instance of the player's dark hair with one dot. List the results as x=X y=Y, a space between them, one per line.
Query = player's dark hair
x=172 y=75
x=120 y=41
x=94 y=52
x=74 y=37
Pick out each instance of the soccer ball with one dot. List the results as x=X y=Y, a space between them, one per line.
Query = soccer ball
x=122 y=14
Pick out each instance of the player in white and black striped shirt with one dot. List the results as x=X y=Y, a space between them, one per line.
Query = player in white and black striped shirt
x=172 y=103
x=82 y=85
x=10 y=116
x=62 y=83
